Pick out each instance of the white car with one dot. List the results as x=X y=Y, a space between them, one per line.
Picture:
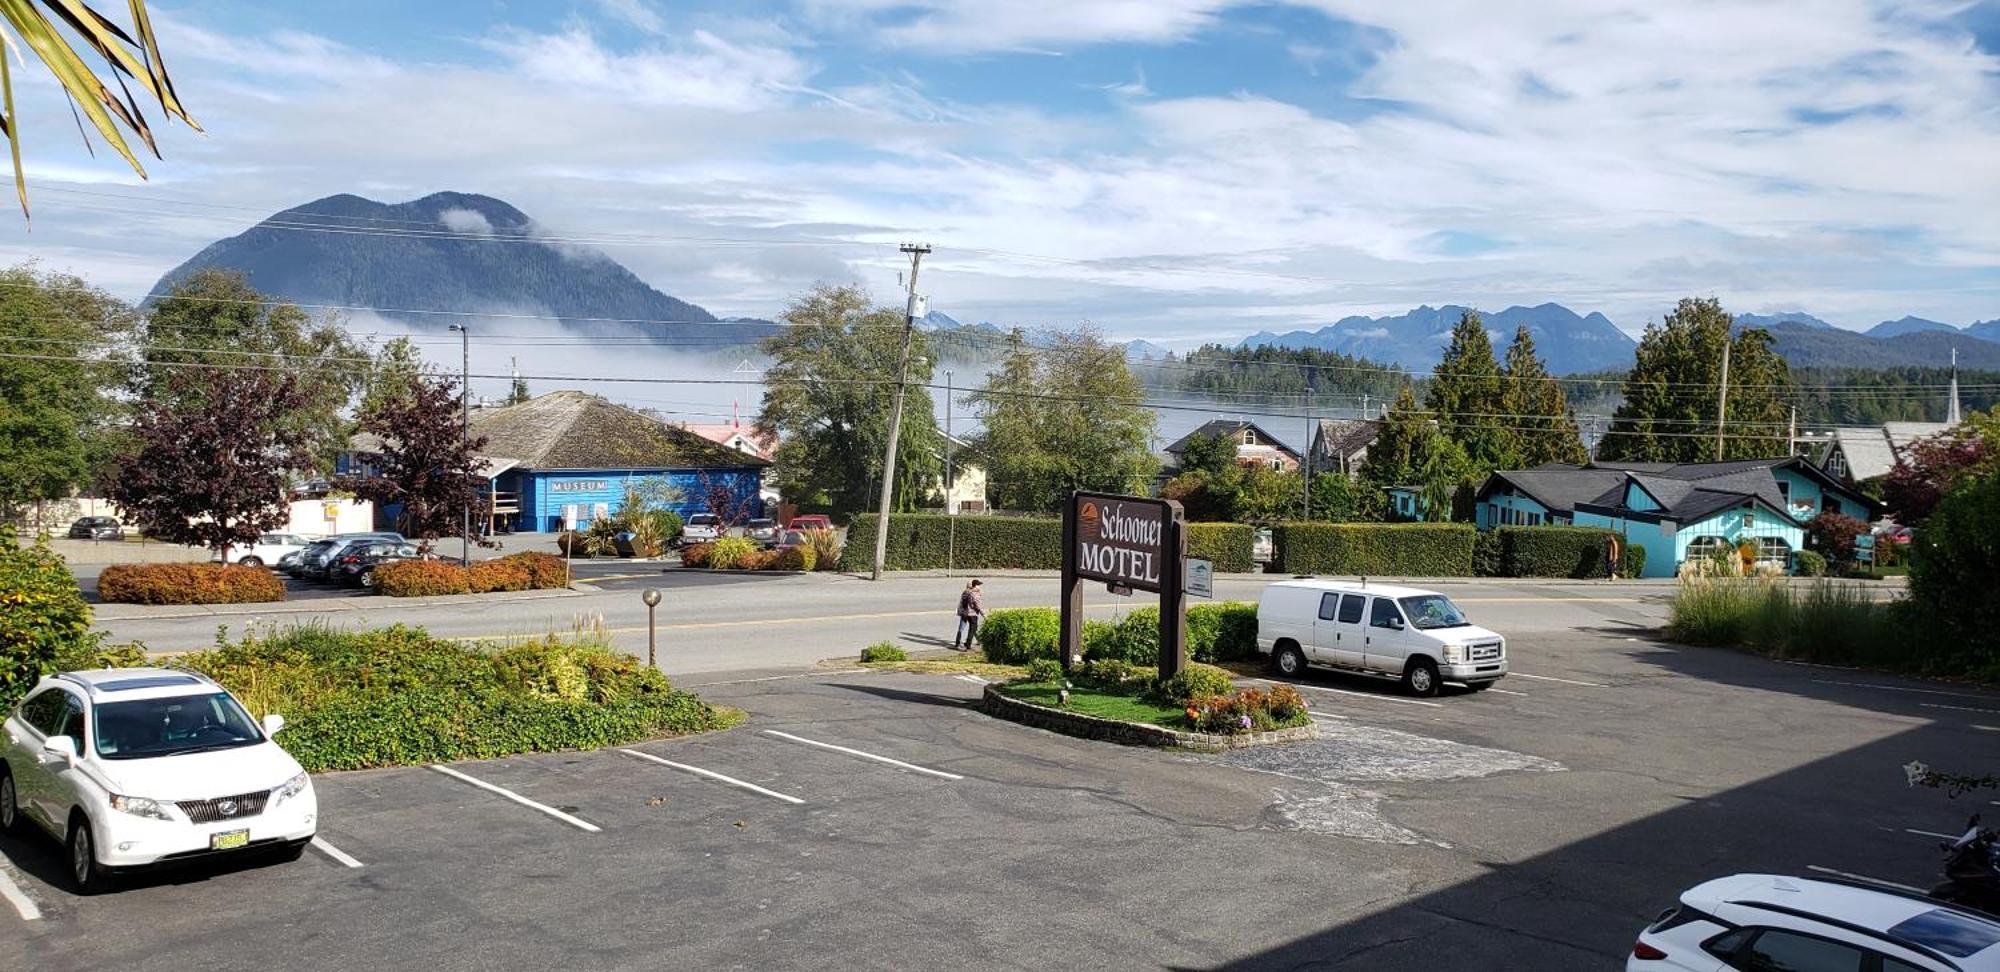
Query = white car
x=1766 y=922
x=137 y=766
x=268 y=550
x=1383 y=630
x=701 y=528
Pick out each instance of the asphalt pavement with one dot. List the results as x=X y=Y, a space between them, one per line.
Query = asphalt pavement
x=1535 y=826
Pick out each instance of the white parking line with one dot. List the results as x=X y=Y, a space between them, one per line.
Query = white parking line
x=517 y=798
x=974 y=679
x=711 y=774
x=1552 y=678
x=1956 y=708
x=1902 y=688
x=1863 y=877
x=1930 y=833
x=856 y=752
x=334 y=852
x=1987 y=728
x=1507 y=692
x=1364 y=695
x=17 y=897
x=1317 y=714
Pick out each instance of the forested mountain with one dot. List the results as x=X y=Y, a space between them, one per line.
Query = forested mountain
x=457 y=252
x=1570 y=342
x=1803 y=346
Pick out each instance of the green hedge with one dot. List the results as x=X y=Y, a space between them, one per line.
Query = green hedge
x=1375 y=549
x=1229 y=546
x=1216 y=632
x=1557 y=551
x=919 y=541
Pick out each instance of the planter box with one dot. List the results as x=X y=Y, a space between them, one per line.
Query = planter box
x=999 y=705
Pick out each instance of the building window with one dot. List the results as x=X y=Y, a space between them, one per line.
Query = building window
x=1704 y=547
x=1829 y=504
x=1773 y=552
x=1785 y=492
x=1249 y=437
x=1749 y=520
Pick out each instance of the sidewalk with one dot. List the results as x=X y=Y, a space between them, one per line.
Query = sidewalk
x=147 y=612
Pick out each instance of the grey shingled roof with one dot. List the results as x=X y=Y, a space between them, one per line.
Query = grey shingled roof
x=1345 y=437
x=1560 y=487
x=1686 y=491
x=573 y=430
x=1231 y=428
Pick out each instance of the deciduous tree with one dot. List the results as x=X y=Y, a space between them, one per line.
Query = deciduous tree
x=1928 y=469
x=1214 y=454
x=1068 y=415
x=423 y=462
x=212 y=458
x=57 y=412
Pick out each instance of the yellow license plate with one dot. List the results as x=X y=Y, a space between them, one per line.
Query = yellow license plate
x=229 y=840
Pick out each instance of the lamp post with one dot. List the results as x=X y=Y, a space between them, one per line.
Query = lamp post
x=465 y=427
x=652 y=599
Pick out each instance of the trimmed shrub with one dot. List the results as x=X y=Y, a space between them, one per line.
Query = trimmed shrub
x=1135 y=639
x=696 y=554
x=1375 y=549
x=1558 y=551
x=1109 y=673
x=794 y=558
x=920 y=541
x=1222 y=632
x=1097 y=636
x=1196 y=681
x=188 y=584
x=546 y=571
x=1811 y=564
x=883 y=651
x=730 y=553
x=422 y=578
x=1635 y=561
x=44 y=621
x=1486 y=557
x=499 y=574
x=1230 y=546
x=1044 y=670
x=758 y=560
x=1015 y=636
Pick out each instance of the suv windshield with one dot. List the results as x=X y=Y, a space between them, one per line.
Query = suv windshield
x=173 y=725
x=1429 y=611
x=703 y=519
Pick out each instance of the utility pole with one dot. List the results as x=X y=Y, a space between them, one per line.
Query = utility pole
x=1722 y=399
x=950 y=502
x=916 y=252
x=1951 y=416
x=465 y=429
x=1792 y=433
x=1306 y=490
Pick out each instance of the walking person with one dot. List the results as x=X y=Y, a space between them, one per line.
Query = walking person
x=971 y=610
x=1611 y=554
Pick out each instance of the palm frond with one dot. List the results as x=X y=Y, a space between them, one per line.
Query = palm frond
x=42 y=28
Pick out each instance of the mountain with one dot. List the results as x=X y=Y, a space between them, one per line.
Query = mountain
x=1908 y=325
x=1782 y=317
x=1567 y=342
x=1804 y=346
x=1985 y=330
x=439 y=253
x=1140 y=349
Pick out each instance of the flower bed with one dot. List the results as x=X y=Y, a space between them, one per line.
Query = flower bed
x=1197 y=707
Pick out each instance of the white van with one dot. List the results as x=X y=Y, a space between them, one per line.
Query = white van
x=1414 y=635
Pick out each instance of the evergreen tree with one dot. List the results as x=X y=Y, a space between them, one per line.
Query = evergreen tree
x=1670 y=395
x=1467 y=397
x=1544 y=425
x=1413 y=451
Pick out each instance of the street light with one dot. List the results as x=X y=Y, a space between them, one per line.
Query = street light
x=465 y=424
x=652 y=599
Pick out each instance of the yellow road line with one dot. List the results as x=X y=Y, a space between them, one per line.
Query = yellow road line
x=706 y=625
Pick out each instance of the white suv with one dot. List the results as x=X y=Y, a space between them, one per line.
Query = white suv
x=1414 y=635
x=138 y=766
x=1763 y=922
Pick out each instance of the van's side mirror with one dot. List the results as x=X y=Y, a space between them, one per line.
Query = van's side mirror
x=1396 y=623
x=272 y=723
x=59 y=749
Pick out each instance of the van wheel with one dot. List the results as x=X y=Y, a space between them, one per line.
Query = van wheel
x=10 y=805
x=85 y=874
x=1289 y=661
x=1421 y=678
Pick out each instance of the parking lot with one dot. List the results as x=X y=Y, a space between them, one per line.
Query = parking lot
x=872 y=820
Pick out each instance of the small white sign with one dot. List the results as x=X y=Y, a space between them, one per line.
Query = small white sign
x=1200 y=578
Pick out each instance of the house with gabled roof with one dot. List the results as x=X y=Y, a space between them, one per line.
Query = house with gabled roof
x=1677 y=511
x=1254 y=445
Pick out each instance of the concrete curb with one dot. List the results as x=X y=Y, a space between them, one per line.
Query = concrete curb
x=152 y=612
x=1129 y=733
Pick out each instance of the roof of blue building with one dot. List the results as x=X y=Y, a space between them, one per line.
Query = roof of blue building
x=574 y=430
x=1684 y=491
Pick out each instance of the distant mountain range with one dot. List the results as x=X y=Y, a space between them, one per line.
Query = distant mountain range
x=1568 y=342
x=437 y=254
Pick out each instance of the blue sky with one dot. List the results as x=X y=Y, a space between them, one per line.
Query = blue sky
x=1171 y=169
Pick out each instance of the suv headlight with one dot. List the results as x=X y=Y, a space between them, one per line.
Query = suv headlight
x=291 y=788
x=140 y=807
x=1453 y=654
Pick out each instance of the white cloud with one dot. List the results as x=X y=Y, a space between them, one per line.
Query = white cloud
x=707 y=71
x=637 y=13
x=466 y=221
x=961 y=26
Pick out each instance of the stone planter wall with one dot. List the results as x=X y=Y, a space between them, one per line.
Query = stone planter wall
x=1082 y=726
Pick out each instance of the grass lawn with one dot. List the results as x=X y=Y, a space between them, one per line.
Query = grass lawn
x=1126 y=707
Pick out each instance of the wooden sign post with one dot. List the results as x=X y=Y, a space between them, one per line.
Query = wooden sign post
x=1131 y=543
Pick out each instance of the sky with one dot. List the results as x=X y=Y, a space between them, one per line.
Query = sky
x=1176 y=170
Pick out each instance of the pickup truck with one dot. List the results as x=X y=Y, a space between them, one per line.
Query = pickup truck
x=700 y=528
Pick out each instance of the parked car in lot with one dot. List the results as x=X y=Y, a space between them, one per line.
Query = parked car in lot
x=316 y=561
x=96 y=528
x=762 y=531
x=355 y=565
x=137 y=766
x=269 y=549
x=300 y=564
x=812 y=521
x=787 y=539
x=1387 y=631
x=1765 y=922
x=700 y=528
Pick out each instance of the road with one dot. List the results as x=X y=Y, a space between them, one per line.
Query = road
x=725 y=622
x=1536 y=827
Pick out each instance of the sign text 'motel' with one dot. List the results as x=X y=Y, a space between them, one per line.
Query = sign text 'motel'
x=1130 y=543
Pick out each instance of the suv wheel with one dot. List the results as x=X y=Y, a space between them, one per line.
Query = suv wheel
x=368 y=578
x=251 y=562
x=84 y=871
x=1289 y=661
x=10 y=806
x=1421 y=679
